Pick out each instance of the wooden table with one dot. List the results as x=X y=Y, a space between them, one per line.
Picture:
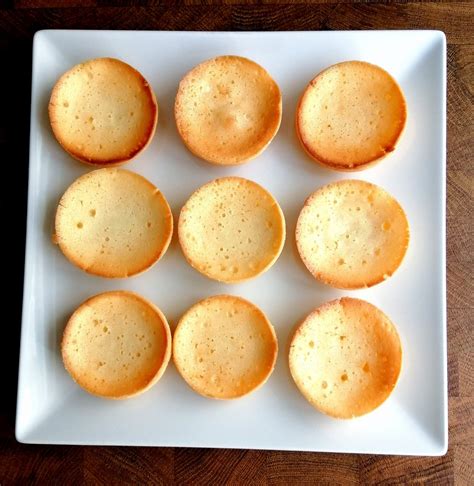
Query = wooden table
x=21 y=464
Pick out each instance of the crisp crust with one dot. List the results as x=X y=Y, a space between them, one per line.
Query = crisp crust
x=231 y=229
x=227 y=110
x=116 y=345
x=350 y=116
x=113 y=223
x=352 y=234
x=346 y=358
x=224 y=347
x=103 y=112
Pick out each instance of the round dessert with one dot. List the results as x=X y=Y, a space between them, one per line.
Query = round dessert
x=351 y=115
x=116 y=345
x=352 y=234
x=113 y=223
x=231 y=229
x=227 y=110
x=346 y=357
x=103 y=112
x=224 y=347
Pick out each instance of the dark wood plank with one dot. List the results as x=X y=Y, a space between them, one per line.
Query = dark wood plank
x=130 y=465
x=154 y=3
x=213 y=466
x=405 y=470
x=14 y=135
x=460 y=175
x=21 y=23
x=460 y=352
x=27 y=464
x=309 y=468
x=461 y=421
x=463 y=465
x=22 y=464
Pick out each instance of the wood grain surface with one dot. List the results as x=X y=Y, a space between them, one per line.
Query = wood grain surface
x=27 y=464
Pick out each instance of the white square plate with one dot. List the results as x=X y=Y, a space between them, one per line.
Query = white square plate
x=53 y=409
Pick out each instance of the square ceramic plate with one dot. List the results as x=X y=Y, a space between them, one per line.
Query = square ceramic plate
x=53 y=409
